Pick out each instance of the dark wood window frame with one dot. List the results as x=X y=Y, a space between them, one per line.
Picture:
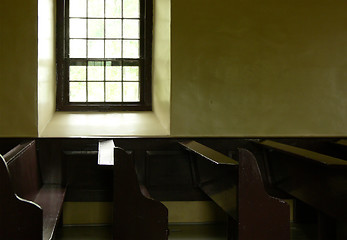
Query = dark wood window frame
x=145 y=63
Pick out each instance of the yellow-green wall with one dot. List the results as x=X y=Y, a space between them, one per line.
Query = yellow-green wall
x=162 y=61
x=18 y=68
x=235 y=68
x=259 y=68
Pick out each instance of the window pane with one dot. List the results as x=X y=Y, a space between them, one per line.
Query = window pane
x=113 y=92
x=77 y=48
x=113 y=49
x=95 y=71
x=113 y=8
x=131 y=92
x=95 y=28
x=131 y=29
x=95 y=48
x=77 y=92
x=95 y=8
x=131 y=49
x=131 y=8
x=95 y=92
x=78 y=8
x=113 y=28
x=78 y=28
x=113 y=73
x=77 y=73
x=131 y=73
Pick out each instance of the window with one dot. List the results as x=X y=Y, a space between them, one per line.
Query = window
x=104 y=55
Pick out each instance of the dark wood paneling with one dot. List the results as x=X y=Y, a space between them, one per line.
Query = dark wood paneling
x=168 y=168
x=169 y=175
x=86 y=180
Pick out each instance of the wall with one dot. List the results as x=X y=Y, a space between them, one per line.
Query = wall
x=259 y=68
x=46 y=62
x=162 y=61
x=18 y=68
x=235 y=68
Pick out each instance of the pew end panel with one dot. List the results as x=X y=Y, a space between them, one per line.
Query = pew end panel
x=258 y=209
x=34 y=205
x=20 y=219
x=135 y=215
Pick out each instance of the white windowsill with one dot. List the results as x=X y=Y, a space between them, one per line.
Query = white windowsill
x=95 y=124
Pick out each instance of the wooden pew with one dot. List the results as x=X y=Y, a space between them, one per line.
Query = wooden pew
x=29 y=209
x=237 y=187
x=340 y=147
x=136 y=214
x=317 y=180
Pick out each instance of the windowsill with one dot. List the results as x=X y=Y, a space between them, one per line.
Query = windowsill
x=95 y=124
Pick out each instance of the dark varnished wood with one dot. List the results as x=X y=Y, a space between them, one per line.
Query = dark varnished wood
x=318 y=180
x=208 y=153
x=24 y=169
x=38 y=206
x=136 y=217
x=87 y=180
x=261 y=216
x=14 y=223
x=308 y=155
x=342 y=142
x=238 y=188
x=50 y=199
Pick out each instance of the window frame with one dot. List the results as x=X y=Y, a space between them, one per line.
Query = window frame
x=145 y=63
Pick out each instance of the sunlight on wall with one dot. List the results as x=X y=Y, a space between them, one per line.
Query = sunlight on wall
x=46 y=62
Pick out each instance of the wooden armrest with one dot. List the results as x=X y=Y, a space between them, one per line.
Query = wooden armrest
x=145 y=191
x=300 y=152
x=208 y=153
x=342 y=142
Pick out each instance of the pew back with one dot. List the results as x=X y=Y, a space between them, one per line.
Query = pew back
x=24 y=170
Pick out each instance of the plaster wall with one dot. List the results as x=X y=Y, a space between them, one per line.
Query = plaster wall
x=231 y=68
x=161 y=72
x=46 y=62
x=18 y=68
x=259 y=68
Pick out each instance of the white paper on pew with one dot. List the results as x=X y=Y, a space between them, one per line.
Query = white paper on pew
x=106 y=153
